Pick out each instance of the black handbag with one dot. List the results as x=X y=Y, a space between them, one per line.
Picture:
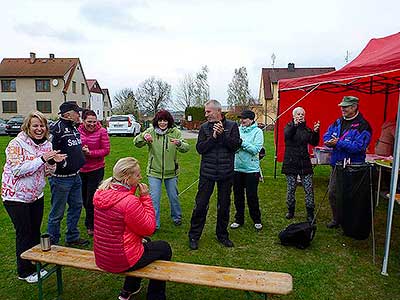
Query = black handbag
x=298 y=235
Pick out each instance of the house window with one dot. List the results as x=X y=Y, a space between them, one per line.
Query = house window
x=8 y=85
x=9 y=106
x=74 y=87
x=43 y=106
x=83 y=104
x=108 y=113
x=42 y=85
x=104 y=114
x=83 y=88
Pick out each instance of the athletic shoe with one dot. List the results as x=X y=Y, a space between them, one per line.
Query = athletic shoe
x=258 y=226
x=33 y=278
x=125 y=295
x=235 y=225
x=226 y=242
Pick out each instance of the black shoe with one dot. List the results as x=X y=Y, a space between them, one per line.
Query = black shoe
x=226 y=242
x=193 y=244
x=178 y=222
x=78 y=242
x=333 y=224
x=289 y=215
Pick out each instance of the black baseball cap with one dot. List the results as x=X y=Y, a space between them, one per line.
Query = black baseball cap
x=68 y=106
x=247 y=114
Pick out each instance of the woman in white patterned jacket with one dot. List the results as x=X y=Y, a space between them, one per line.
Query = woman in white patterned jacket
x=29 y=159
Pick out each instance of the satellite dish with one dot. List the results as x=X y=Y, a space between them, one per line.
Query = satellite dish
x=55 y=82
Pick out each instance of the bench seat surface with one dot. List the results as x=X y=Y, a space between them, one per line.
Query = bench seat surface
x=213 y=276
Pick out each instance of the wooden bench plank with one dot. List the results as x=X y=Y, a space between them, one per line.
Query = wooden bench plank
x=214 y=276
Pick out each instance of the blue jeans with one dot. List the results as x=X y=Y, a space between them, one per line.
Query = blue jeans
x=171 y=185
x=65 y=190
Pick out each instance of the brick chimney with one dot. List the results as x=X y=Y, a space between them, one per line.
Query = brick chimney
x=290 y=67
x=51 y=55
x=32 y=56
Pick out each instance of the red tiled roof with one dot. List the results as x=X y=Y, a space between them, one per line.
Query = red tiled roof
x=92 y=88
x=272 y=75
x=39 y=67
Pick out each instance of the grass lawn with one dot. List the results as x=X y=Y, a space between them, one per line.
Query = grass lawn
x=334 y=267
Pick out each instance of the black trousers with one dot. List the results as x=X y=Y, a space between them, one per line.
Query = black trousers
x=246 y=182
x=90 y=183
x=152 y=251
x=27 y=219
x=205 y=190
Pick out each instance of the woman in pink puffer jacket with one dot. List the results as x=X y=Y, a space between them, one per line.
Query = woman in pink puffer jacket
x=121 y=221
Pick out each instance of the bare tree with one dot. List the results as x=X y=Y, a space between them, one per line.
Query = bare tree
x=185 y=96
x=153 y=94
x=201 y=87
x=125 y=102
x=238 y=89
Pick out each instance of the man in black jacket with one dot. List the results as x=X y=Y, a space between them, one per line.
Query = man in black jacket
x=217 y=143
x=66 y=184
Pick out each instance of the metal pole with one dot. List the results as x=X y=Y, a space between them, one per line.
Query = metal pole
x=393 y=186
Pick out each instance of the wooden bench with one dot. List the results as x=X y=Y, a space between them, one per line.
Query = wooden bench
x=213 y=276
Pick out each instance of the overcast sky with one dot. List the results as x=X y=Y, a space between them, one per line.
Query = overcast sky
x=122 y=43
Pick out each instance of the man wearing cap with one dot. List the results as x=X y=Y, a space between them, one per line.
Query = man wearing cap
x=66 y=183
x=349 y=137
x=247 y=170
x=217 y=143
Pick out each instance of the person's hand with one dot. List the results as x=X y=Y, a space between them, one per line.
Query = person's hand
x=85 y=150
x=316 y=126
x=143 y=189
x=298 y=119
x=59 y=157
x=332 y=142
x=148 y=138
x=49 y=155
x=218 y=129
x=176 y=142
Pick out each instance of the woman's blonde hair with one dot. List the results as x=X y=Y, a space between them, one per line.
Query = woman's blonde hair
x=124 y=168
x=28 y=120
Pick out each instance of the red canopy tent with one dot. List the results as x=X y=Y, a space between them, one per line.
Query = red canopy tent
x=373 y=76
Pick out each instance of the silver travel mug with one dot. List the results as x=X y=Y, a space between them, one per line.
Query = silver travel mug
x=45 y=244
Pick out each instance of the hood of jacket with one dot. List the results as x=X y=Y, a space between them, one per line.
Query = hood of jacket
x=104 y=199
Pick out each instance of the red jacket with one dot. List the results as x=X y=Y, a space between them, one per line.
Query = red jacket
x=99 y=147
x=121 y=220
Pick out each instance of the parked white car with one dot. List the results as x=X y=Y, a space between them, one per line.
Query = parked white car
x=123 y=125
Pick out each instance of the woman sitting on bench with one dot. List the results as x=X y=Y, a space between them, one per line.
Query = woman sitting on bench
x=121 y=221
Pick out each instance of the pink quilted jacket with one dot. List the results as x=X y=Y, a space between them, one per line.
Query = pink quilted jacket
x=99 y=147
x=121 y=220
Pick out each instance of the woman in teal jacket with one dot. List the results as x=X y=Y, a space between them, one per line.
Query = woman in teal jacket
x=247 y=170
x=163 y=140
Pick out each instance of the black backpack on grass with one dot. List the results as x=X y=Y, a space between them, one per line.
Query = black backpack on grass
x=298 y=235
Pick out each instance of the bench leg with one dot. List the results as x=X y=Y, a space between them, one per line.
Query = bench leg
x=59 y=282
x=249 y=295
x=40 y=280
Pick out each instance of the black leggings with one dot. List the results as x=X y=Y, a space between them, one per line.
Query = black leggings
x=152 y=251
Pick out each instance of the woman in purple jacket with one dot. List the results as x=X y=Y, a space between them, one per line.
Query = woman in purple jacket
x=95 y=146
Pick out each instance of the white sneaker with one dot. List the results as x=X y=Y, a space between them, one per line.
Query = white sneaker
x=33 y=278
x=258 y=226
x=235 y=225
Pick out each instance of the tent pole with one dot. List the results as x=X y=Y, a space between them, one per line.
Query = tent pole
x=386 y=103
x=277 y=134
x=393 y=187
